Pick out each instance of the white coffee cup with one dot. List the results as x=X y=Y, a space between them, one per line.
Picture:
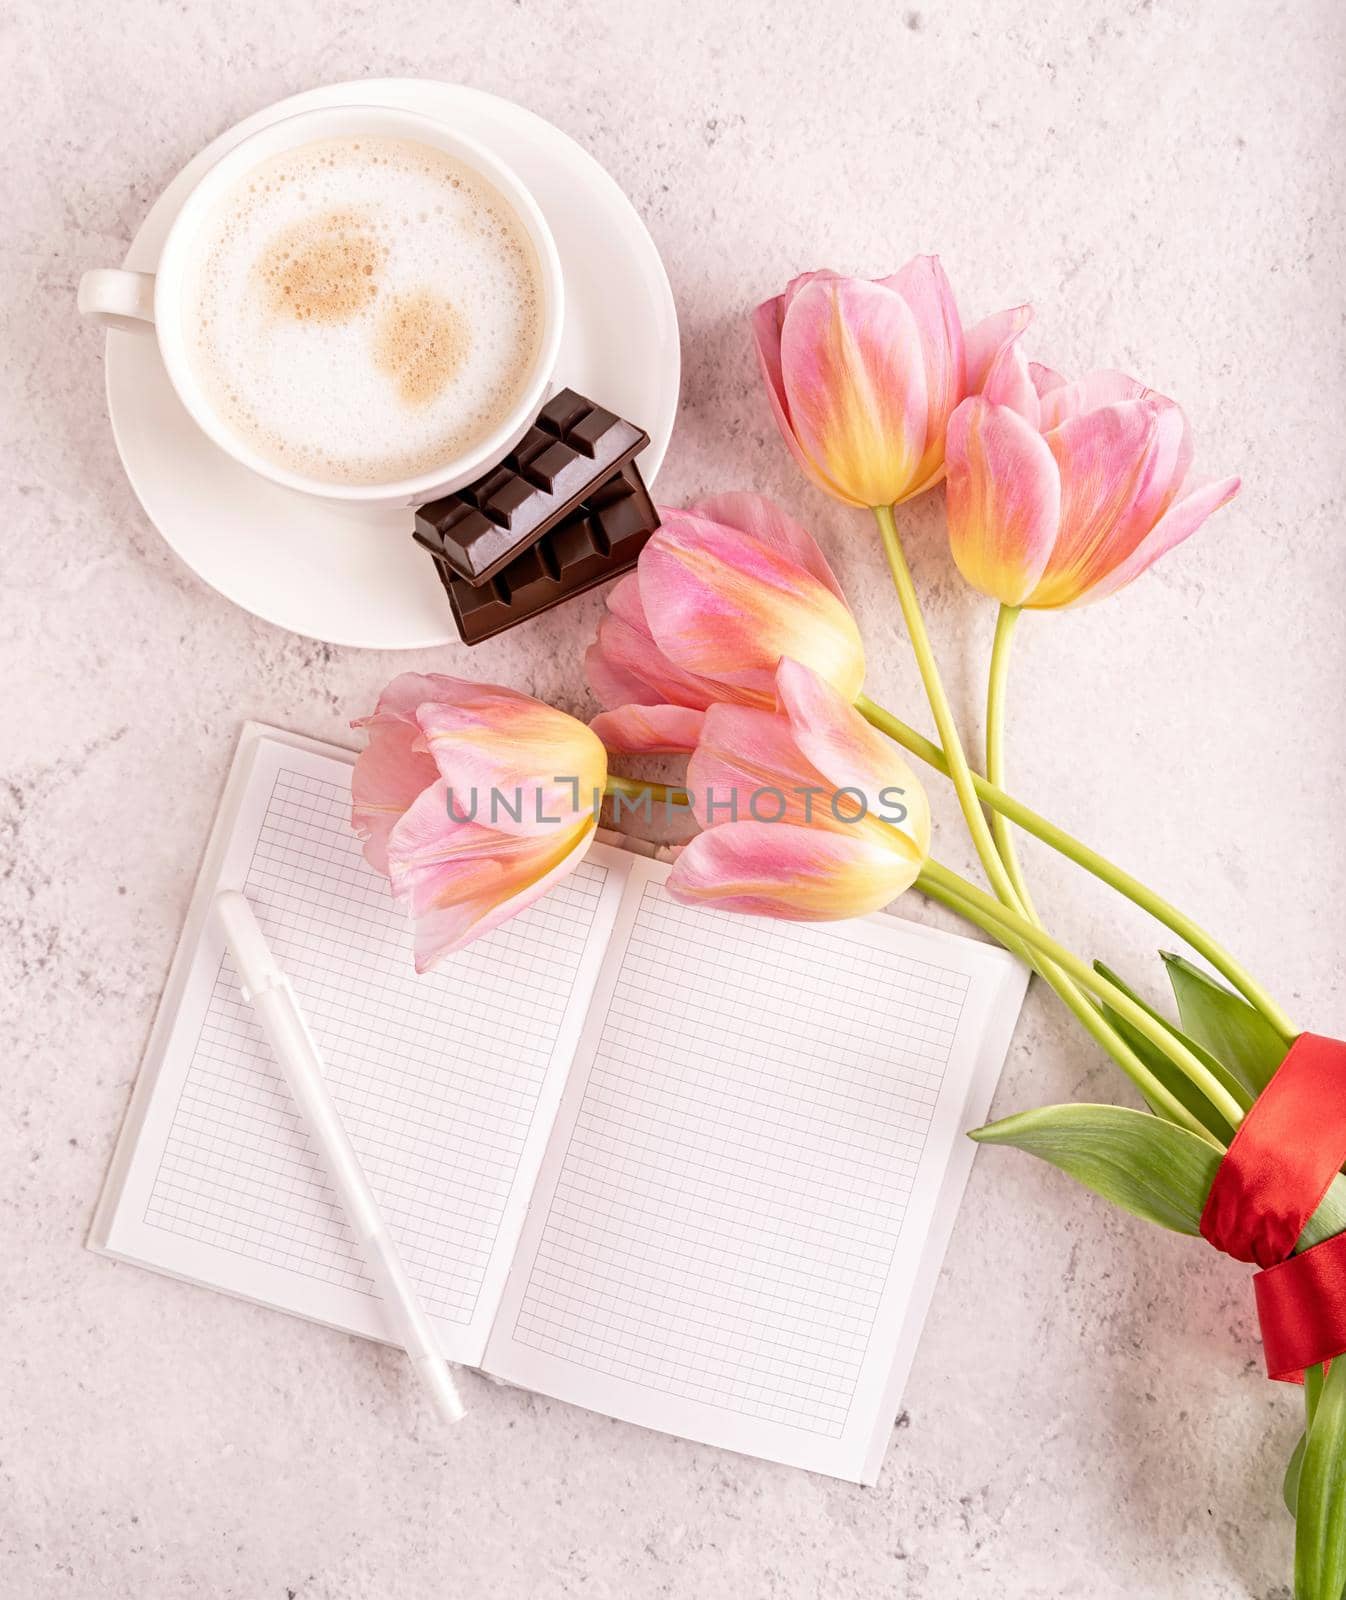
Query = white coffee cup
x=155 y=302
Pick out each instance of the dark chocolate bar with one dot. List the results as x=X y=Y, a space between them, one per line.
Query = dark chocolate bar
x=600 y=539
x=572 y=448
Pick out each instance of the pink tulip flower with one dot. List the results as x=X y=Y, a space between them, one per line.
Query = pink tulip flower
x=473 y=800
x=1064 y=492
x=793 y=804
x=722 y=592
x=863 y=376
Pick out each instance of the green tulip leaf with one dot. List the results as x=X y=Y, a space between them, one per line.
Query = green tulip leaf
x=1234 y=1032
x=1154 y=1169
x=1295 y=1465
x=1178 y=1084
x=1320 y=1500
x=1330 y=1217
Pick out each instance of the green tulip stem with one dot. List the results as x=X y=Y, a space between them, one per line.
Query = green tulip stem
x=1313 y=1389
x=979 y=907
x=1083 y=1008
x=996 y=686
x=1320 y=1525
x=1080 y=853
x=961 y=774
x=636 y=789
x=958 y=768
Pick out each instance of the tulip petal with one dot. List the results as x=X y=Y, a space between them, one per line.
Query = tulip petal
x=766 y=324
x=1009 y=382
x=801 y=281
x=1179 y=522
x=409 y=690
x=727 y=607
x=649 y=729
x=1165 y=467
x=854 y=382
x=994 y=368
x=460 y=880
x=763 y=519
x=609 y=678
x=390 y=772
x=623 y=600
x=1004 y=500
x=512 y=761
x=923 y=285
x=851 y=755
x=624 y=666
x=1089 y=393
x=1105 y=459
x=798 y=874
x=430 y=849
x=747 y=765
x=766 y=327
x=984 y=341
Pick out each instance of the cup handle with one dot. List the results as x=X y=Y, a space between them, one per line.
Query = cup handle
x=115 y=298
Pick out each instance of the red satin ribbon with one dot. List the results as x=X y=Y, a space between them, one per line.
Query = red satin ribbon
x=1286 y=1152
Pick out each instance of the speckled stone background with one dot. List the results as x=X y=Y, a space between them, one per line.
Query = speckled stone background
x=1086 y=1415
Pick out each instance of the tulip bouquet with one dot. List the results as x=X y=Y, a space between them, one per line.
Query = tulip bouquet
x=733 y=643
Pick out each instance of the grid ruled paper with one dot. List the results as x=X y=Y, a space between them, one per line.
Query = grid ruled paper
x=691 y=1170
x=723 y=1222
x=436 y=1077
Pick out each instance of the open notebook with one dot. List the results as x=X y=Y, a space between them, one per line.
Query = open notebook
x=688 y=1169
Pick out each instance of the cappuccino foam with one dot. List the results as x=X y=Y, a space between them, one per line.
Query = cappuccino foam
x=362 y=310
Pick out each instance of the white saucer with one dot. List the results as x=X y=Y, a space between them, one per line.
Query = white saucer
x=344 y=575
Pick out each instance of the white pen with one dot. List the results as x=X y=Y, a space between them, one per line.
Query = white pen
x=296 y=1052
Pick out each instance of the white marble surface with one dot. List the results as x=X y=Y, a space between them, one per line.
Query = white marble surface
x=1086 y=1415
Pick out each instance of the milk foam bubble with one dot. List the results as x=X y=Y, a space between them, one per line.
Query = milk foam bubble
x=362 y=310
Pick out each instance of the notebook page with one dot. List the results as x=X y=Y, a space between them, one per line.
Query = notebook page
x=753 y=1175
x=447 y=1082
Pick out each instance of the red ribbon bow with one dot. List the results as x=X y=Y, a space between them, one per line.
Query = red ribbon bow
x=1272 y=1179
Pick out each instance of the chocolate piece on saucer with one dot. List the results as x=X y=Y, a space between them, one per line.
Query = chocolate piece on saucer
x=574 y=447
x=600 y=539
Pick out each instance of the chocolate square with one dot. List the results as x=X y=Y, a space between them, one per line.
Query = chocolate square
x=600 y=539
x=573 y=449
